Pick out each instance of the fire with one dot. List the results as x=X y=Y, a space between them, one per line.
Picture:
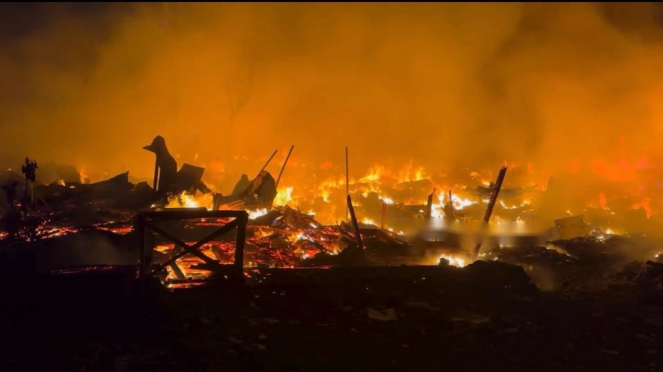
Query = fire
x=283 y=197
x=435 y=211
x=644 y=204
x=478 y=177
x=368 y=221
x=387 y=200
x=603 y=201
x=411 y=174
x=83 y=175
x=373 y=175
x=326 y=187
x=458 y=202
x=185 y=200
x=453 y=261
x=255 y=214
x=326 y=165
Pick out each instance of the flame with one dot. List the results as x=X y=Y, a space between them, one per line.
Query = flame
x=603 y=201
x=411 y=174
x=326 y=165
x=185 y=200
x=368 y=221
x=458 y=202
x=644 y=204
x=83 y=175
x=374 y=174
x=387 y=200
x=478 y=177
x=436 y=211
x=453 y=261
x=326 y=187
x=255 y=214
x=283 y=197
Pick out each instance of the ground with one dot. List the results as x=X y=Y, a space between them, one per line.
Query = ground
x=363 y=319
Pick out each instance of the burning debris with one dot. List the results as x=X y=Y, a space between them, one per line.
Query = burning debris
x=279 y=235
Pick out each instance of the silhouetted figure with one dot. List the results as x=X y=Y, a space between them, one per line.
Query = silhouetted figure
x=243 y=183
x=165 y=173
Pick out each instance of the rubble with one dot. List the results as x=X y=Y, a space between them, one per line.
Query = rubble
x=300 y=271
x=285 y=237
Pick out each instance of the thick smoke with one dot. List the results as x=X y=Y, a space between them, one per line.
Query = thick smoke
x=443 y=85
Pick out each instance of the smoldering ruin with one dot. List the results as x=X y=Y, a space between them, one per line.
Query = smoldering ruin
x=330 y=186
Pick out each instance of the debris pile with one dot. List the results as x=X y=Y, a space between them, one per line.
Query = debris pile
x=285 y=237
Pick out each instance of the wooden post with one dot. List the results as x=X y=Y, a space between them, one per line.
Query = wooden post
x=429 y=205
x=491 y=205
x=284 y=164
x=140 y=231
x=239 y=245
x=145 y=220
x=452 y=212
x=155 y=184
x=347 y=182
x=355 y=224
x=384 y=215
x=268 y=161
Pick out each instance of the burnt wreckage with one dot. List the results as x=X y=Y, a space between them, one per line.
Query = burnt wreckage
x=169 y=182
x=278 y=236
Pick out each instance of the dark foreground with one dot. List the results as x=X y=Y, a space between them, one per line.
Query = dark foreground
x=484 y=317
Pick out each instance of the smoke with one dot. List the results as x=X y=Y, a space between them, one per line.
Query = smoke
x=441 y=84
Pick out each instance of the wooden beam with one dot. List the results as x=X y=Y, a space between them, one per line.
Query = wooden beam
x=193 y=249
x=347 y=181
x=268 y=161
x=429 y=205
x=355 y=224
x=452 y=211
x=284 y=164
x=491 y=205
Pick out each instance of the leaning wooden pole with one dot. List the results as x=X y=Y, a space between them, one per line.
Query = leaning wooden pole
x=355 y=224
x=491 y=205
x=429 y=205
x=156 y=175
x=347 y=181
x=268 y=161
x=284 y=164
x=452 y=212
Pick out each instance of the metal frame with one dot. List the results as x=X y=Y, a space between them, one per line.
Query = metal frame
x=145 y=221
